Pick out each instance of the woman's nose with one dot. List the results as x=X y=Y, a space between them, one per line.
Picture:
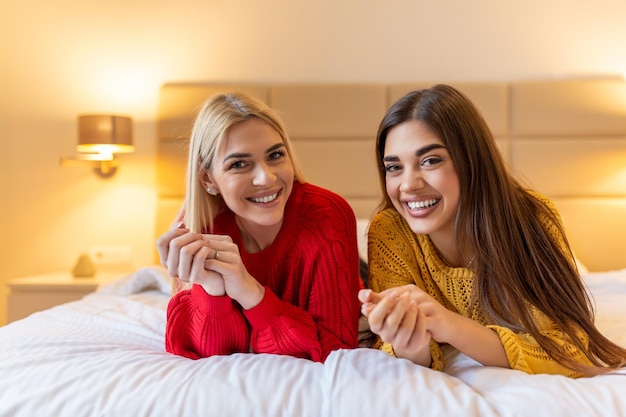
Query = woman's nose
x=411 y=180
x=263 y=175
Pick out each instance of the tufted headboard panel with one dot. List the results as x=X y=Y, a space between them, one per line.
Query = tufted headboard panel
x=567 y=139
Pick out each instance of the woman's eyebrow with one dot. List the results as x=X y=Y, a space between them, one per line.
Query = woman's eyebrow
x=419 y=152
x=429 y=148
x=237 y=155
x=274 y=147
x=249 y=155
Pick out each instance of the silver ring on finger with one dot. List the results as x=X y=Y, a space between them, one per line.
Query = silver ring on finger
x=217 y=255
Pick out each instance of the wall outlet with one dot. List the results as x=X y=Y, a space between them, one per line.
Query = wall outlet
x=111 y=254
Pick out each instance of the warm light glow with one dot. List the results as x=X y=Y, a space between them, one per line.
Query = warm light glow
x=617 y=180
x=127 y=85
x=87 y=157
x=105 y=148
x=614 y=178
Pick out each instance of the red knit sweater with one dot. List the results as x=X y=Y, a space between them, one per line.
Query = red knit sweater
x=311 y=278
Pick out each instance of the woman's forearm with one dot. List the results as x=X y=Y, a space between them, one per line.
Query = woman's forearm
x=478 y=342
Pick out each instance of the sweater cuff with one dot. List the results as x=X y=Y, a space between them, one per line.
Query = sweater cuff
x=513 y=352
x=210 y=304
x=436 y=355
x=266 y=312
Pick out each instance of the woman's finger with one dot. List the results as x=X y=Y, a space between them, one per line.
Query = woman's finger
x=378 y=315
x=219 y=238
x=223 y=252
x=408 y=325
x=369 y=296
x=197 y=264
x=176 y=246
x=187 y=256
x=163 y=243
x=215 y=256
x=394 y=319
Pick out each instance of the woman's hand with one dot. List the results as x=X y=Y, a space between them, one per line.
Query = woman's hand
x=190 y=252
x=407 y=317
x=184 y=254
x=212 y=261
x=396 y=318
x=238 y=283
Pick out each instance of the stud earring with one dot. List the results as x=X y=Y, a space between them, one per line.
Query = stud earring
x=211 y=191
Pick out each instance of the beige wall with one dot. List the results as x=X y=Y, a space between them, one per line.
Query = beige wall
x=62 y=58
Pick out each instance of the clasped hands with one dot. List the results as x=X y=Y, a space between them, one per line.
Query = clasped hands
x=211 y=261
x=407 y=318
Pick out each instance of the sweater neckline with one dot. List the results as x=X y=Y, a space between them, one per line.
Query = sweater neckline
x=434 y=260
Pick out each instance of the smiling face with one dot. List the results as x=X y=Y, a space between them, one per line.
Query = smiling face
x=421 y=180
x=254 y=174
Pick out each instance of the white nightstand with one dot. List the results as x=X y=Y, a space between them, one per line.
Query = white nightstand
x=39 y=292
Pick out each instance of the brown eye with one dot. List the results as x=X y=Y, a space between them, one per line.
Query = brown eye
x=392 y=168
x=431 y=161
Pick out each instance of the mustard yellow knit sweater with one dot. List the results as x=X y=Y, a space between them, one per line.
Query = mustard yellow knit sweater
x=397 y=257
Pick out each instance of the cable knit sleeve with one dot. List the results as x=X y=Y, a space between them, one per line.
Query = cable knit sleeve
x=200 y=325
x=325 y=316
x=282 y=328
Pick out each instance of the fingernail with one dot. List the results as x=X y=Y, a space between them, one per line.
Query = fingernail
x=363 y=309
x=180 y=225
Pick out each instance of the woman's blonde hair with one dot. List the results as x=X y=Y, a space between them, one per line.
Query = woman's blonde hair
x=216 y=116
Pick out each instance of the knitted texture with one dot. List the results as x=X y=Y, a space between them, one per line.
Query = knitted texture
x=311 y=278
x=399 y=257
x=200 y=325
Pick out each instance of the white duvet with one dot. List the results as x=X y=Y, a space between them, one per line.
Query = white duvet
x=104 y=356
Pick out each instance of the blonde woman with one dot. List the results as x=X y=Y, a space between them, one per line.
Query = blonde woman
x=272 y=261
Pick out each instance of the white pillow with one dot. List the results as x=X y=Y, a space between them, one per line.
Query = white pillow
x=361 y=237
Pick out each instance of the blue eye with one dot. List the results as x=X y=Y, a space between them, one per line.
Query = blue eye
x=276 y=155
x=237 y=165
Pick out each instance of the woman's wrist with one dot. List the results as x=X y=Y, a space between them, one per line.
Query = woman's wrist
x=421 y=357
x=214 y=288
x=253 y=297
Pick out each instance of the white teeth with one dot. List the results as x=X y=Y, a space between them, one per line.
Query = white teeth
x=265 y=199
x=416 y=205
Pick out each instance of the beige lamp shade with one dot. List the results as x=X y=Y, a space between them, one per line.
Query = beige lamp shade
x=105 y=134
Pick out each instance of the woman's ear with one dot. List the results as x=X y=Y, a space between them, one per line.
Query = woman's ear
x=206 y=179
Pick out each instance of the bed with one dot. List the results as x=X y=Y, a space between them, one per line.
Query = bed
x=104 y=355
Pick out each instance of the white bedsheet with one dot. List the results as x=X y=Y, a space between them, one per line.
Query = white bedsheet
x=104 y=356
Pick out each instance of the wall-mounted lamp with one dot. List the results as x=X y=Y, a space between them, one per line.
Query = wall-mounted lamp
x=100 y=137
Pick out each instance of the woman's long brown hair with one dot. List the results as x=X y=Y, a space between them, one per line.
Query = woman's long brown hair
x=518 y=263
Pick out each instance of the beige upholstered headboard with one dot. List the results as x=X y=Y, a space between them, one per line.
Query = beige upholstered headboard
x=567 y=139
